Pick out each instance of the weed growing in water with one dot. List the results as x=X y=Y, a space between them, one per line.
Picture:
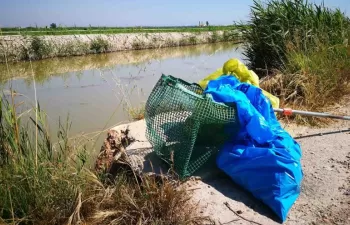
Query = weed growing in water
x=136 y=113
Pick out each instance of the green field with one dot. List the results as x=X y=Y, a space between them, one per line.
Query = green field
x=107 y=30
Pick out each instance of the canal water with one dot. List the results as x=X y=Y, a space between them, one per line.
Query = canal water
x=95 y=91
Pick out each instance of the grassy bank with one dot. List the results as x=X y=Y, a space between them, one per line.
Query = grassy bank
x=303 y=50
x=109 y=30
x=43 y=182
x=17 y=48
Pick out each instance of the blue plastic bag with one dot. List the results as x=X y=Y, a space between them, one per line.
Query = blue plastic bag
x=263 y=158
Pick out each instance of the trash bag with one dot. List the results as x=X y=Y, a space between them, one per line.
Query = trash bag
x=263 y=158
x=238 y=69
x=185 y=128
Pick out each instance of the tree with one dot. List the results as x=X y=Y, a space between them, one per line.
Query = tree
x=207 y=23
x=53 y=26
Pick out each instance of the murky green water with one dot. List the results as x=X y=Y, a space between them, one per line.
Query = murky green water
x=95 y=90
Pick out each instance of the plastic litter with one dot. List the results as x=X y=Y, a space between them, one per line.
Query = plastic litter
x=236 y=68
x=186 y=128
x=263 y=158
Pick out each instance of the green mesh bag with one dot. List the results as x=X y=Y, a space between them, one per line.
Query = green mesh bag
x=185 y=127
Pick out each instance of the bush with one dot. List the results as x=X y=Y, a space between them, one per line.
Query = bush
x=279 y=24
x=214 y=37
x=38 y=49
x=99 y=45
x=304 y=48
x=138 y=45
x=192 y=40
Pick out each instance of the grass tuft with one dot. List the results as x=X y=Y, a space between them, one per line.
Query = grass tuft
x=153 y=201
x=137 y=113
x=99 y=45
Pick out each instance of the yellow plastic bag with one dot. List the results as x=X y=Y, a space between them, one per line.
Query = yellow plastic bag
x=275 y=102
x=236 y=68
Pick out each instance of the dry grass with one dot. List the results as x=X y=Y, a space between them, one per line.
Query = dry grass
x=312 y=81
x=136 y=113
x=151 y=200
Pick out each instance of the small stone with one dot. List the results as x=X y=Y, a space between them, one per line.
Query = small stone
x=239 y=212
x=201 y=211
x=208 y=186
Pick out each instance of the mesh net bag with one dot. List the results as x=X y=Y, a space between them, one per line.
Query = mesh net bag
x=185 y=127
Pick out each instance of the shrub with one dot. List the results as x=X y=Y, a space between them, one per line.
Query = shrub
x=303 y=47
x=278 y=24
x=37 y=49
x=138 y=45
x=99 y=45
x=192 y=40
x=214 y=37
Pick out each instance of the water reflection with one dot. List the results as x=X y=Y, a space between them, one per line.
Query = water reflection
x=64 y=67
x=96 y=89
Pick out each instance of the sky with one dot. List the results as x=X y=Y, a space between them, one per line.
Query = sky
x=25 y=13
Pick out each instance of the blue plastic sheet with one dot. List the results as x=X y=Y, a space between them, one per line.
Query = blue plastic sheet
x=263 y=158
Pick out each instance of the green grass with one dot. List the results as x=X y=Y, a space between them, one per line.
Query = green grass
x=303 y=48
x=279 y=25
x=108 y=30
x=46 y=182
x=38 y=180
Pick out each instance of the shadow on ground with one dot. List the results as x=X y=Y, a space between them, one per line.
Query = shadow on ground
x=222 y=183
x=218 y=180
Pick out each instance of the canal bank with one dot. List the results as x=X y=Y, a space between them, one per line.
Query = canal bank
x=20 y=48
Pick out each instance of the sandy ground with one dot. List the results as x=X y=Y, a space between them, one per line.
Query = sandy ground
x=325 y=195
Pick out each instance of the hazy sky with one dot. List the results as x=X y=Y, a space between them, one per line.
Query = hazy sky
x=129 y=12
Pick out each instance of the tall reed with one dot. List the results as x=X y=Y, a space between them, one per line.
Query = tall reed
x=303 y=47
x=279 y=24
x=61 y=189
